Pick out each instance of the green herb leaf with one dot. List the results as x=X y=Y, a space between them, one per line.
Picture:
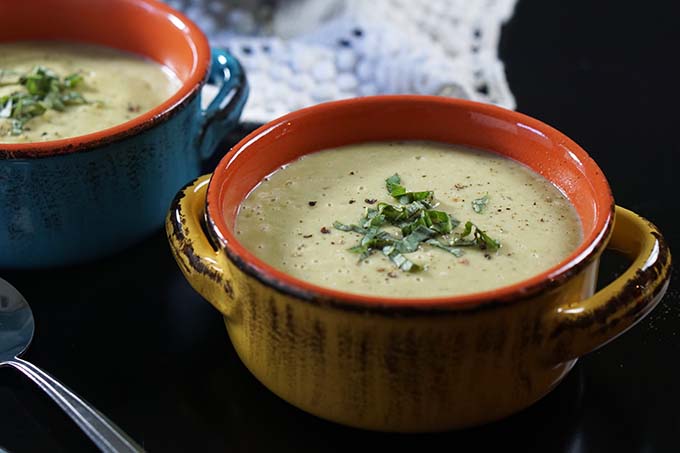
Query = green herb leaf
x=439 y=221
x=490 y=243
x=40 y=81
x=407 y=228
x=400 y=260
x=43 y=90
x=479 y=204
x=373 y=240
x=22 y=107
x=342 y=227
x=468 y=229
x=479 y=238
x=394 y=187
x=6 y=103
x=363 y=250
x=27 y=107
x=372 y=218
x=393 y=214
x=411 y=242
x=73 y=80
x=452 y=250
x=419 y=224
x=17 y=127
x=414 y=209
x=73 y=98
x=377 y=239
x=409 y=197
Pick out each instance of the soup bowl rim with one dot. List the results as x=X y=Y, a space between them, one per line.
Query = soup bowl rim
x=224 y=240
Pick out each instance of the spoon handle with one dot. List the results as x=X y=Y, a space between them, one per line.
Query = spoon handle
x=103 y=432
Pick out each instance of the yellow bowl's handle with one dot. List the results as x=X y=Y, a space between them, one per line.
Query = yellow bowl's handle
x=200 y=261
x=579 y=328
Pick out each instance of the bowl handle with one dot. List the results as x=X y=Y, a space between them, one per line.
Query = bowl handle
x=224 y=111
x=201 y=262
x=578 y=328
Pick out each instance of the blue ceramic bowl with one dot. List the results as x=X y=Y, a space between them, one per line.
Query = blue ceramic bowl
x=73 y=200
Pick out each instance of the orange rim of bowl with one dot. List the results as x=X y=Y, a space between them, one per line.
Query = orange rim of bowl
x=287 y=284
x=190 y=87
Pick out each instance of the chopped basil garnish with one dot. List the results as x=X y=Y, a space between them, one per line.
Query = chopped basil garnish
x=452 y=250
x=43 y=90
x=479 y=238
x=400 y=260
x=394 y=187
x=479 y=205
x=418 y=222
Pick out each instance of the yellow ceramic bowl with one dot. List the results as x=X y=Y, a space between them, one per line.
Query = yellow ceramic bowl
x=415 y=365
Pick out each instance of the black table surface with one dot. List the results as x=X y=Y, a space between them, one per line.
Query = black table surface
x=129 y=335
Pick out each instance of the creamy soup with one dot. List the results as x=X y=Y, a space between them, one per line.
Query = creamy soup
x=288 y=220
x=112 y=87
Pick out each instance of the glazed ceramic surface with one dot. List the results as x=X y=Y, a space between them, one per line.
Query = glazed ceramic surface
x=415 y=364
x=77 y=199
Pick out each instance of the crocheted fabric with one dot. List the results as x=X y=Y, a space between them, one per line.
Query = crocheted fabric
x=301 y=52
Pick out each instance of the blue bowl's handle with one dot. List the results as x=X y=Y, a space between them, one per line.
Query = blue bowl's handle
x=225 y=109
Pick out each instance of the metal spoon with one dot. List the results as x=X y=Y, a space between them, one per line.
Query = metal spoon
x=16 y=331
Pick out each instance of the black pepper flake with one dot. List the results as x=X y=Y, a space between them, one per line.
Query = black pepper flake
x=352 y=201
x=370 y=200
x=500 y=210
x=507 y=209
x=487 y=256
x=307 y=236
x=325 y=230
x=311 y=203
x=542 y=219
x=351 y=173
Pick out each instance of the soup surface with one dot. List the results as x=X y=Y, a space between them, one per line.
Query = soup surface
x=288 y=220
x=113 y=87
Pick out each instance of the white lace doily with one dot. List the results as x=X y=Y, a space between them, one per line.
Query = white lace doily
x=301 y=52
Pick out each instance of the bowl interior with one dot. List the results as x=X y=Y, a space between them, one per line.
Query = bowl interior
x=145 y=27
x=527 y=140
